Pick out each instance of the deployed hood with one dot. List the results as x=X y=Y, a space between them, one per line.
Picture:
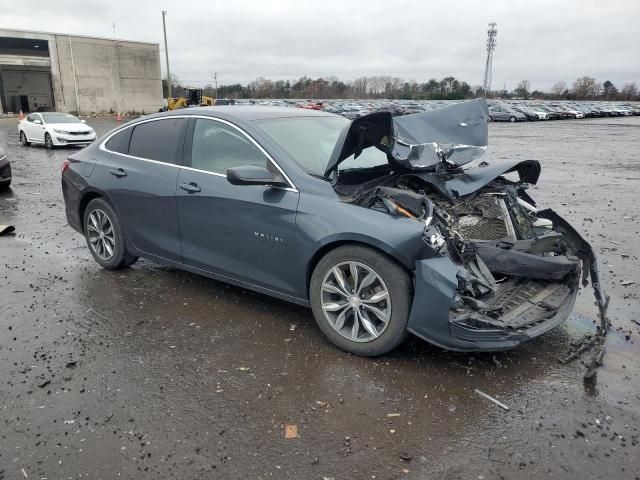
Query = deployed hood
x=453 y=135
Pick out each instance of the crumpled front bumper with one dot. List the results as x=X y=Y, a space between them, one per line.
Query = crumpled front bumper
x=436 y=284
x=436 y=290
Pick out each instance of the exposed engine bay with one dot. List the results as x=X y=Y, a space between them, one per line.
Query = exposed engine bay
x=520 y=266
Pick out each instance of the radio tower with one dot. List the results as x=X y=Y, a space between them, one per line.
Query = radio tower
x=491 y=46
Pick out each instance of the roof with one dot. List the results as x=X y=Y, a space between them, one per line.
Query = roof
x=248 y=113
x=9 y=32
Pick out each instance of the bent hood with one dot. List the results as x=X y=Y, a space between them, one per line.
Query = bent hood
x=455 y=135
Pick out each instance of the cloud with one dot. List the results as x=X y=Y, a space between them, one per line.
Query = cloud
x=543 y=41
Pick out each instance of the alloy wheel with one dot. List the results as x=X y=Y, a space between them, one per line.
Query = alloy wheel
x=23 y=139
x=355 y=301
x=101 y=235
x=48 y=141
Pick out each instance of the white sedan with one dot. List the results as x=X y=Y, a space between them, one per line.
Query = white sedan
x=54 y=129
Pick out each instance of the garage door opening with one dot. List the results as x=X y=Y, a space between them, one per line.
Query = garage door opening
x=25 y=75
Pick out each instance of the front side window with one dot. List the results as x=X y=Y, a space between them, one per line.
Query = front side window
x=157 y=140
x=217 y=147
x=30 y=118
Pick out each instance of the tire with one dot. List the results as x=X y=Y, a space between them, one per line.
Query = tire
x=48 y=141
x=512 y=119
x=23 y=139
x=489 y=119
x=373 y=337
x=94 y=215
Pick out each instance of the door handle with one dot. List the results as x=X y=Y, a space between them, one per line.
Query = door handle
x=190 y=187
x=118 y=172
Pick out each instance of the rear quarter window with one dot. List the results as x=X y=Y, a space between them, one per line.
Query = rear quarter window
x=157 y=140
x=119 y=143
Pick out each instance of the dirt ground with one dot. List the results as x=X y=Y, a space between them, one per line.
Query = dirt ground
x=155 y=373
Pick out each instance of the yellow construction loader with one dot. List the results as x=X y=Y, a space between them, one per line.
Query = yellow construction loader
x=190 y=97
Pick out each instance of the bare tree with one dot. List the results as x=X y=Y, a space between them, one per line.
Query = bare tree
x=629 y=91
x=522 y=90
x=559 y=88
x=586 y=87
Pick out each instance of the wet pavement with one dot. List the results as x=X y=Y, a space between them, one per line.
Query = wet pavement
x=151 y=372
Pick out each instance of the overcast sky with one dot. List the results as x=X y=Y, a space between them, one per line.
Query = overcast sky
x=541 y=41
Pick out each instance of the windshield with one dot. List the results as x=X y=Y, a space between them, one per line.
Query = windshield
x=310 y=142
x=59 y=118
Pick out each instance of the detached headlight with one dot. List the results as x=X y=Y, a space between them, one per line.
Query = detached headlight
x=63 y=132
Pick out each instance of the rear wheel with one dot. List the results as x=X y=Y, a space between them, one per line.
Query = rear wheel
x=23 y=139
x=361 y=300
x=48 y=142
x=512 y=119
x=104 y=236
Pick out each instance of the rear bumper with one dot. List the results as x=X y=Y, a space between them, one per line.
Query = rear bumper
x=72 y=197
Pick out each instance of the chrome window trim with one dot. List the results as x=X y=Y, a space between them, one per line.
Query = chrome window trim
x=291 y=188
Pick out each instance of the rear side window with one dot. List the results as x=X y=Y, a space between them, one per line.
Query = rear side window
x=157 y=140
x=119 y=143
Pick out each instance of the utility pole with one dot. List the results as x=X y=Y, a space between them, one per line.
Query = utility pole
x=215 y=81
x=166 y=53
x=488 y=67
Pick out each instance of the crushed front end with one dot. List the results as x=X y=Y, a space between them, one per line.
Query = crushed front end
x=500 y=271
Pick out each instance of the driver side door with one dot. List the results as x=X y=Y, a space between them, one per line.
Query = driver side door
x=243 y=232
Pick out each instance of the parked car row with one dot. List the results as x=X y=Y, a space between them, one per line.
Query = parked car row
x=499 y=110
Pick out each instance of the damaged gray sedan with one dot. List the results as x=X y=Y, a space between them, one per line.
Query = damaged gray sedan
x=379 y=225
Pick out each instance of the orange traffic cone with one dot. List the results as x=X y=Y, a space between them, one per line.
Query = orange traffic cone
x=118 y=117
x=21 y=116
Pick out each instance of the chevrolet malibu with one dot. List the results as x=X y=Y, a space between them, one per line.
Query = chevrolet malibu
x=384 y=225
x=53 y=129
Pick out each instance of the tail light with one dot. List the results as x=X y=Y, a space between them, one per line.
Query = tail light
x=65 y=165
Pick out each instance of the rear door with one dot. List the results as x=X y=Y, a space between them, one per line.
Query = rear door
x=140 y=179
x=239 y=231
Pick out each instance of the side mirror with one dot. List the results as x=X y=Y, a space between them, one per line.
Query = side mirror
x=253 y=175
x=83 y=121
x=37 y=122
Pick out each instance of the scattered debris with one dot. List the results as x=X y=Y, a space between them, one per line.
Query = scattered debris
x=291 y=431
x=489 y=397
x=626 y=283
x=406 y=456
x=393 y=414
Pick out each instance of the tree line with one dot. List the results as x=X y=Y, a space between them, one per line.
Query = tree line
x=384 y=86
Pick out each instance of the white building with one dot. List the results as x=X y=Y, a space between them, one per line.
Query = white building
x=69 y=73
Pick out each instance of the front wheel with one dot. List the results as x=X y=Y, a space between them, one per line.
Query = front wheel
x=104 y=236
x=361 y=300
x=23 y=139
x=48 y=141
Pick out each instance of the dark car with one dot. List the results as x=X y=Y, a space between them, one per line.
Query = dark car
x=5 y=171
x=373 y=223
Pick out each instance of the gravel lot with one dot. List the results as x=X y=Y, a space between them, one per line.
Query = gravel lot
x=155 y=373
